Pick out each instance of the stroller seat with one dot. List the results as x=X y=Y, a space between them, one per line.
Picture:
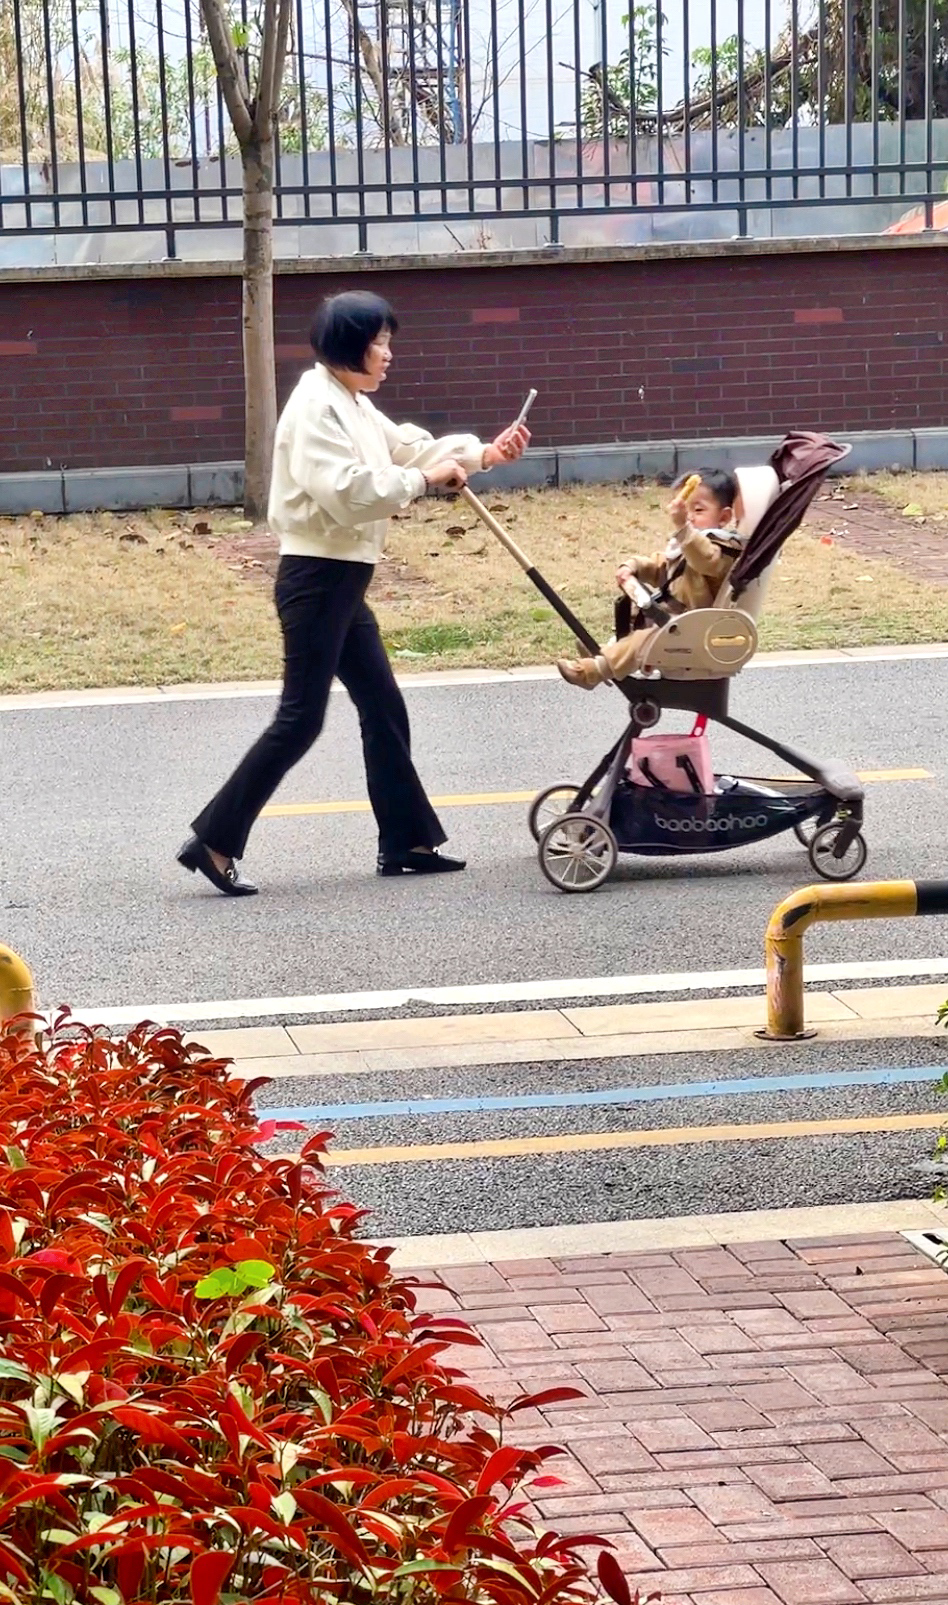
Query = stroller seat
x=714 y=643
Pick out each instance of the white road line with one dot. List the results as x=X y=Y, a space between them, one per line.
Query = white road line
x=122 y=696
x=603 y=986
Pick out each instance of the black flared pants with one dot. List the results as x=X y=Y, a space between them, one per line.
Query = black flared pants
x=328 y=631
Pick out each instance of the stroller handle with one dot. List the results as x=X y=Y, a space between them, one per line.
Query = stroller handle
x=486 y=517
x=532 y=572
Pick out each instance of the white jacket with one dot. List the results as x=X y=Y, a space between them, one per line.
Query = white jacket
x=341 y=468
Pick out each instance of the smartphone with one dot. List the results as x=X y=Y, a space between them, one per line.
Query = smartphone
x=524 y=410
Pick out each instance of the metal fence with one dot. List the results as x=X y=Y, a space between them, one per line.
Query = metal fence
x=444 y=125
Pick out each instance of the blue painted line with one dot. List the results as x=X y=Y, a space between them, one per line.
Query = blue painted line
x=619 y=1095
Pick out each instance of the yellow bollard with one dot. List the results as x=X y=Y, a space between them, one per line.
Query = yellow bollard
x=866 y=900
x=16 y=989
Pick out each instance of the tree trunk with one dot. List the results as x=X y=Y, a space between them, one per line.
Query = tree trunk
x=259 y=358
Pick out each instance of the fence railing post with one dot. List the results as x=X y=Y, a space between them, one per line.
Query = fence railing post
x=865 y=900
x=427 y=113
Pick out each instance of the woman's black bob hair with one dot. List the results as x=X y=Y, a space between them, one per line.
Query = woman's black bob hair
x=345 y=326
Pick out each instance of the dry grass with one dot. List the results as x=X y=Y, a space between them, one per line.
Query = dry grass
x=90 y=601
x=927 y=492
x=449 y=591
x=118 y=600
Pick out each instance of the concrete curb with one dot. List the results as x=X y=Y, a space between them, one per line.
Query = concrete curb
x=565 y=1028
x=547 y=256
x=429 y=679
x=641 y=1236
x=79 y=490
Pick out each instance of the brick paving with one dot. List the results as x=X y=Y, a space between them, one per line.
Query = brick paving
x=765 y=1424
x=864 y=523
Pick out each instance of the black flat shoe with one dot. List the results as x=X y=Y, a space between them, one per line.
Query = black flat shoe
x=195 y=856
x=419 y=864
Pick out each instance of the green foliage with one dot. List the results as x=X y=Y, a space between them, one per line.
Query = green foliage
x=428 y=640
x=314 y=1445
x=113 y=103
x=834 y=68
x=189 y=100
x=835 y=73
x=630 y=87
x=719 y=72
x=229 y=1281
x=844 y=72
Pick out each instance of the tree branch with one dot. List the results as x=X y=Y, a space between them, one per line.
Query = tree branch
x=229 y=73
x=264 y=99
x=279 y=61
x=372 y=60
x=754 y=83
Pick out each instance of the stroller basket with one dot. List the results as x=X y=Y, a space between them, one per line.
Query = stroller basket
x=660 y=822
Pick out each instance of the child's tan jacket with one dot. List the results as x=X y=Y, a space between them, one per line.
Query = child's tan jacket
x=693 y=567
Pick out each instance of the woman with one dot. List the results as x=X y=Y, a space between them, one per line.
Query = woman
x=340 y=469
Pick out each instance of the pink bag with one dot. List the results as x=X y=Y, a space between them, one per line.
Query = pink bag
x=677 y=763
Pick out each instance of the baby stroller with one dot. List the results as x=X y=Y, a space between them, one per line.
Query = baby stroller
x=580 y=830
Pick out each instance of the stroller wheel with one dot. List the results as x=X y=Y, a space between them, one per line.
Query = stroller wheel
x=549 y=805
x=822 y=855
x=808 y=828
x=577 y=853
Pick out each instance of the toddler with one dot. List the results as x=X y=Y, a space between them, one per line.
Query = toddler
x=688 y=574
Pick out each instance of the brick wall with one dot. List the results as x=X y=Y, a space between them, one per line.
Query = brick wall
x=107 y=373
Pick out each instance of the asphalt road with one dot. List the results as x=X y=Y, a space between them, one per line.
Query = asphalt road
x=95 y=801
x=467 y=1193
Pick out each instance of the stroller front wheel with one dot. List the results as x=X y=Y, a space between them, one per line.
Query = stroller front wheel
x=548 y=806
x=823 y=857
x=577 y=853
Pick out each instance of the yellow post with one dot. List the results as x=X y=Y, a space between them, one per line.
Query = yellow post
x=16 y=988
x=866 y=900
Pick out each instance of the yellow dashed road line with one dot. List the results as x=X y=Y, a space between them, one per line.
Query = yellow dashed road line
x=474 y=799
x=601 y=1141
x=484 y=799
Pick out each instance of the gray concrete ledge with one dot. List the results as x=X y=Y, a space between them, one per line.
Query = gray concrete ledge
x=80 y=490
x=544 y=256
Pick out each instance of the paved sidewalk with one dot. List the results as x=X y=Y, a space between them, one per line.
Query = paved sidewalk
x=764 y=1424
x=531 y=1036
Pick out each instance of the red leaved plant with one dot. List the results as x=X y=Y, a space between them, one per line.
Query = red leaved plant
x=210 y=1389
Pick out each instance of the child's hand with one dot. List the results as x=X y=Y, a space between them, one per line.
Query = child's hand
x=625 y=571
x=678 y=506
x=678 y=511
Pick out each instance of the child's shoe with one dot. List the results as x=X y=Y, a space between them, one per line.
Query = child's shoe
x=586 y=673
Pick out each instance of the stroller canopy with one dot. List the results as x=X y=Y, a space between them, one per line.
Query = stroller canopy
x=801 y=463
